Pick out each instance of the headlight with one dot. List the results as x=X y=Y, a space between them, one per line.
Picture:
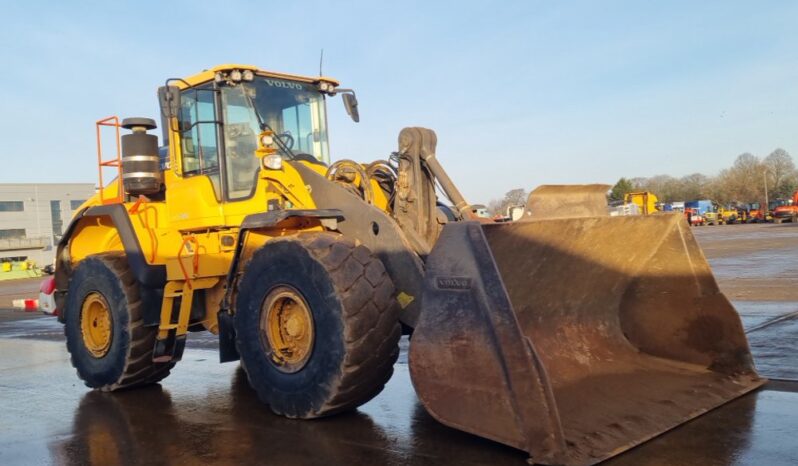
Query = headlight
x=248 y=75
x=267 y=140
x=235 y=75
x=272 y=162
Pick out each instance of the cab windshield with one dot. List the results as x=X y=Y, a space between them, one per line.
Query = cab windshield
x=779 y=203
x=295 y=111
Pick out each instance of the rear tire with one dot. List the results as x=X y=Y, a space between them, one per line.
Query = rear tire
x=354 y=325
x=124 y=359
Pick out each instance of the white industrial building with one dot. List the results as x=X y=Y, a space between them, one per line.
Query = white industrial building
x=33 y=216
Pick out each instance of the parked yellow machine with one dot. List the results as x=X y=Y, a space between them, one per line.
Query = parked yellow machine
x=571 y=338
x=646 y=201
x=727 y=215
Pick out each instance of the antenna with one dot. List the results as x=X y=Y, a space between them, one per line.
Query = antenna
x=321 y=61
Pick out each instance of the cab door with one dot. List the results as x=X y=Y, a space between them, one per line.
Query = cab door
x=242 y=165
x=195 y=195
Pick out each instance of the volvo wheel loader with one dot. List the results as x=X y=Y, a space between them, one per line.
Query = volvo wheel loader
x=573 y=338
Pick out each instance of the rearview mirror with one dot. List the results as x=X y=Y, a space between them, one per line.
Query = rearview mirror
x=350 y=103
x=169 y=99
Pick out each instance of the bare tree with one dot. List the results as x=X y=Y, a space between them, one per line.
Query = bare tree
x=512 y=197
x=744 y=180
x=515 y=196
x=780 y=173
x=693 y=187
x=719 y=188
x=665 y=187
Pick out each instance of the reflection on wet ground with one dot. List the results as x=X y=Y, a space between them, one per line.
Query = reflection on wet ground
x=755 y=314
x=205 y=413
x=776 y=349
x=772 y=330
x=754 y=430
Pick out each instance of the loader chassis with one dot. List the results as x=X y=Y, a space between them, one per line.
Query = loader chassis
x=548 y=334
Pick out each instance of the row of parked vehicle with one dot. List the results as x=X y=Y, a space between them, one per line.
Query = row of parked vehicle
x=708 y=212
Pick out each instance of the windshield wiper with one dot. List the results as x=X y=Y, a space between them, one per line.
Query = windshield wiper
x=265 y=126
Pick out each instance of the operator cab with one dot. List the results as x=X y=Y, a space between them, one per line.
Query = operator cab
x=226 y=114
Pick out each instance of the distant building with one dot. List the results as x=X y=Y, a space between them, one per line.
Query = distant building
x=33 y=216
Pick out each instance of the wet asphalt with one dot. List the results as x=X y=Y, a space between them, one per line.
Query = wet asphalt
x=205 y=413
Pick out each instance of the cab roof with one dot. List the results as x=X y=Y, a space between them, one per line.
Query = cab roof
x=208 y=75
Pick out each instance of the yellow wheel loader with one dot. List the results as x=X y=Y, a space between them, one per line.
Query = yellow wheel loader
x=573 y=339
x=645 y=201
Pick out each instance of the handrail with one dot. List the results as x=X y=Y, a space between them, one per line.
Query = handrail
x=195 y=262
x=115 y=162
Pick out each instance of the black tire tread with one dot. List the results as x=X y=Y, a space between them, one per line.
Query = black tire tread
x=139 y=368
x=370 y=320
x=371 y=350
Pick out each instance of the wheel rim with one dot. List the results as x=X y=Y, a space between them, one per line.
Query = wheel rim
x=95 y=324
x=286 y=327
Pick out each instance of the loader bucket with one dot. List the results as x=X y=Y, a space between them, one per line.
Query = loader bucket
x=575 y=339
x=574 y=200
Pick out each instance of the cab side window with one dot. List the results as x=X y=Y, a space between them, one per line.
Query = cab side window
x=198 y=143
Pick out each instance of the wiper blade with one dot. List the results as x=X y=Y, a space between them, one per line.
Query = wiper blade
x=286 y=150
x=265 y=126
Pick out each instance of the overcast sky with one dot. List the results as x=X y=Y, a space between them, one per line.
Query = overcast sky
x=520 y=93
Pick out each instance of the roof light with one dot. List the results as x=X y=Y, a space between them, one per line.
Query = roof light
x=326 y=87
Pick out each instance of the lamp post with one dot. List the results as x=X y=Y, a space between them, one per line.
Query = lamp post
x=767 y=204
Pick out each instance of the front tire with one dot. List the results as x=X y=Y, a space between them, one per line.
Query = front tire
x=331 y=343
x=106 y=338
